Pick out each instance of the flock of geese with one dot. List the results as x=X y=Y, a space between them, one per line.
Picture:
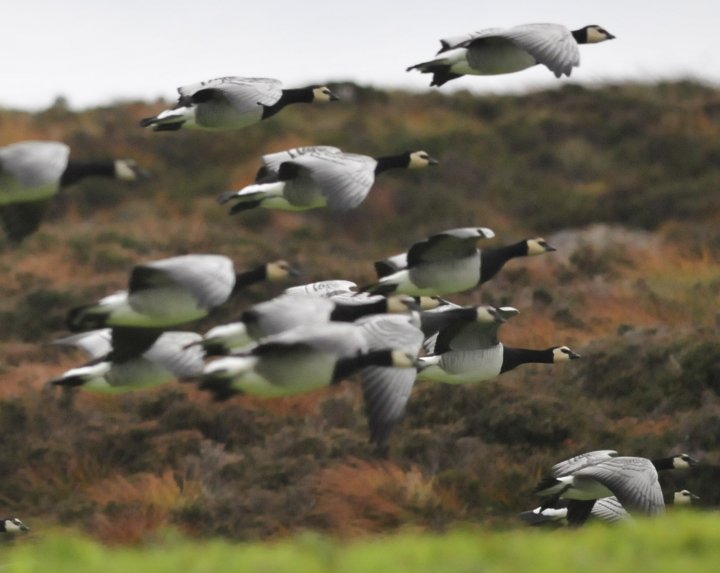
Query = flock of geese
x=390 y=333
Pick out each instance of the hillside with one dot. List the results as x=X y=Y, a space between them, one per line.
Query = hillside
x=623 y=180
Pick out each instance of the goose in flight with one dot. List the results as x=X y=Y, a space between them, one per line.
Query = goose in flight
x=602 y=473
x=444 y=263
x=319 y=176
x=232 y=102
x=470 y=352
x=124 y=359
x=297 y=361
x=491 y=259
x=607 y=509
x=505 y=50
x=291 y=310
x=173 y=291
x=33 y=172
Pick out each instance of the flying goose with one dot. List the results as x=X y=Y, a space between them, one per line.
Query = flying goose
x=297 y=361
x=289 y=311
x=129 y=359
x=505 y=50
x=608 y=509
x=470 y=352
x=173 y=291
x=320 y=176
x=444 y=263
x=12 y=525
x=491 y=259
x=232 y=102
x=32 y=172
x=602 y=473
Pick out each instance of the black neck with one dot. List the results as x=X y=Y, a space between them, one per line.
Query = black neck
x=663 y=463
x=250 y=277
x=76 y=171
x=580 y=35
x=299 y=95
x=346 y=367
x=351 y=312
x=392 y=162
x=492 y=260
x=514 y=357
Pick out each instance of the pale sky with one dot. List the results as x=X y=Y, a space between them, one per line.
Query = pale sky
x=94 y=52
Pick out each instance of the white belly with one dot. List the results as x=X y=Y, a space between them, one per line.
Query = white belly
x=464 y=366
x=157 y=307
x=497 y=58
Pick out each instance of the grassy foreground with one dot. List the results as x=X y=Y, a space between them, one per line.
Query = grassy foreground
x=680 y=542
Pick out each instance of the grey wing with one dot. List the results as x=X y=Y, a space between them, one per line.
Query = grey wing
x=570 y=466
x=288 y=311
x=634 y=481
x=179 y=353
x=209 y=278
x=550 y=44
x=339 y=339
x=33 y=163
x=95 y=343
x=463 y=40
x=325 y=289
x=448 y=245
x=344 y=179
x=466 y=336
x=609 y=509
x=386 y=391
x=243 y=94
x=271 y=162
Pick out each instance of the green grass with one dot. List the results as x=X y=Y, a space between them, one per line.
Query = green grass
x=679 y=542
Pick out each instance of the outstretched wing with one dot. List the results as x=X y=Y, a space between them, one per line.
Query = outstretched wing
x=243 y=94
x=571 y=465
x=386 y=390
x=208 y=278
x=550 y=44
x=634 y=481
x=344 y=179
x=448 y=245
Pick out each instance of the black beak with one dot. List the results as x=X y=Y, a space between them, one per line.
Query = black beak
x=573 y=355
x=432 y=161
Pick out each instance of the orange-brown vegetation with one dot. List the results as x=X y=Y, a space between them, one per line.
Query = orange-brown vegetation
x=623 y=180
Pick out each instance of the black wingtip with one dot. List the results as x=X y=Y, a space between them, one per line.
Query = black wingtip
x=546 y=483
x=244 y=206
x=78 y=320
x=225 y=197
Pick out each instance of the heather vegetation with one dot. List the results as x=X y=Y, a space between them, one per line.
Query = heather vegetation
x=623 y=180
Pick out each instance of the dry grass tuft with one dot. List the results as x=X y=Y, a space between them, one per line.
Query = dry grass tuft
x=361 y=496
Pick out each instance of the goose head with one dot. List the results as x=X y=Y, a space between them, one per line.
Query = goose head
x=401 y=304
x=684 y=497
x=563 y=353
x=538 y=246
x=400 y=359
x=14 y=525
x=683 y=461
x=280 y=270
x=129 y=170
x=322 y=94
x=420 y=159
x=594 y=34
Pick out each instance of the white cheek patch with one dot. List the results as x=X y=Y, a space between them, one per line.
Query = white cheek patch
x=124 y=172
x=11 y=526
